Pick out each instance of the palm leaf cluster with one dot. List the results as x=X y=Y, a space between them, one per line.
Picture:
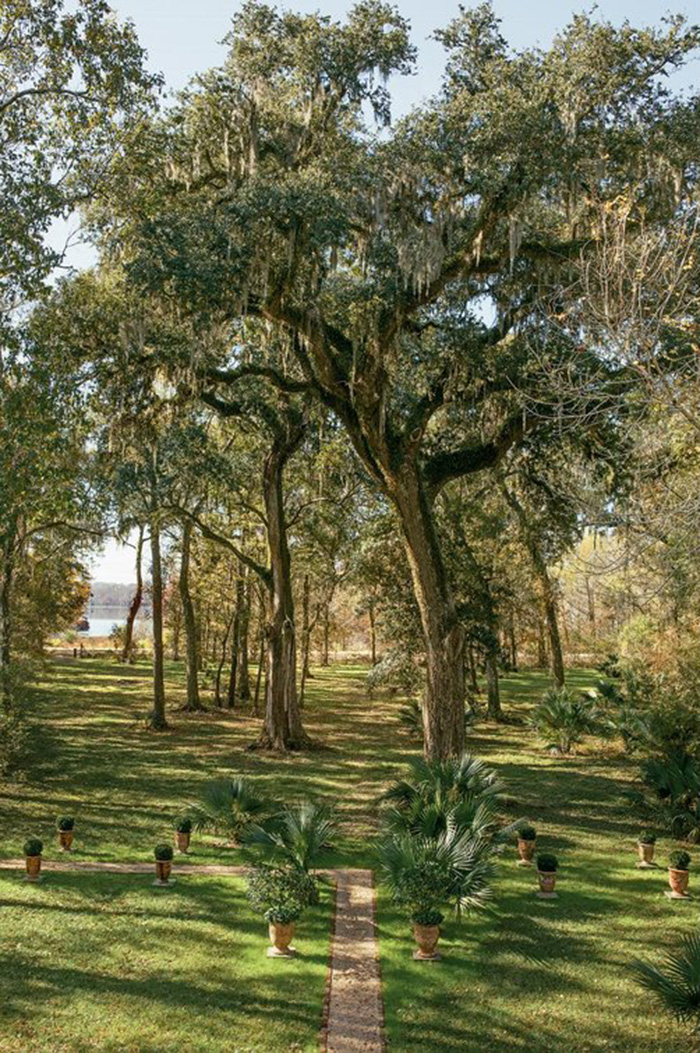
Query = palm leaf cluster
x=442 y=832
x=563 y=717
x=676 y=985
x=228 y=807
x=298 y=835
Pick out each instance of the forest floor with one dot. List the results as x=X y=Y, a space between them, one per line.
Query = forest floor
x=106 y=962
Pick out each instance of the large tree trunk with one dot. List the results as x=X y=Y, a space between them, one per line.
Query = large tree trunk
x=157 y=719
x=193 y=703
x=443 y=703
x=282 y=728
x=135 y=605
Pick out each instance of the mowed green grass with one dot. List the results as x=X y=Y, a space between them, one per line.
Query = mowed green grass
x=107 y=962
x=530 y=975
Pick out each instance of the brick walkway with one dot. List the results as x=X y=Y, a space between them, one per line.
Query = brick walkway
x=354 y=1012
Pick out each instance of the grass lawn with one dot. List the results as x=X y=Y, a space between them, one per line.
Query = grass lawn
x=112 y=965
x=106 y=962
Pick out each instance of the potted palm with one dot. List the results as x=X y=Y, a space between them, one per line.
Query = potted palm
x=183 y=832
x=281 y=894
x=678 y=874
x=645 y=846
x=297 y=836
x=164 y=864
x=526 y=845
x=547 y=866
x=425 y=874
x=33 y=848
x=65 y=826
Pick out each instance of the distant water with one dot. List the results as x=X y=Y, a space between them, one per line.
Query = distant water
x=103 y=620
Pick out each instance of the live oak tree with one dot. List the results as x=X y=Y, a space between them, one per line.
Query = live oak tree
x=415 y=277
x=70 y=76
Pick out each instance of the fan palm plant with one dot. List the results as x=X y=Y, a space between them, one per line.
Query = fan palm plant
x=676 y=984
x=228 y=807
x=424 y=874
x=463 y=792
x=563 y=718
x=298 y=835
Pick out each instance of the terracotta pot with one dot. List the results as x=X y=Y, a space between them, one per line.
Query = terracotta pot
x=426 y=936
x=547 y=880
x=163 y=868
x=526 y=850
x=33 y=864
x=646 y=852
x=65 y=839
x=281 y=936
x=678 y=880
x=182 y=841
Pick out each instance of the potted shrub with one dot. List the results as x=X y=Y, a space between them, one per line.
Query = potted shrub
x=281 y=894
x=183 y=832
x=678 y=873
x=164 y=864
x=526 y=845
x=65 y=825
x=547 y=866
x=425 y=874
x=33 y=848
x=645 y=847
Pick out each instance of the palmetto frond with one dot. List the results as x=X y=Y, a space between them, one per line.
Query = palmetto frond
x=299 y=835
x=676 y=984
x=464 y=791
x=226 y=806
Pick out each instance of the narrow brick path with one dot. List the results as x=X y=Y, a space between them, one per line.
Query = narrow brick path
x=213 y=869
x=354 y=1012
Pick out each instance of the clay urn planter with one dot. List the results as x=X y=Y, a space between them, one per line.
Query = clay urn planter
x=164 y=864
x=678 y=874
x=526 y=845
x=547 y=866
x=281 y=935
x=33 y=848
x=183 y=833
x=65 y=827
x=427 y=937
x=645 y=846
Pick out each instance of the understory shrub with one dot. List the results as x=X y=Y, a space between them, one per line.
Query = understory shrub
x=410 y=717
x=670 y=794
x=563 y=718
x=396 y=671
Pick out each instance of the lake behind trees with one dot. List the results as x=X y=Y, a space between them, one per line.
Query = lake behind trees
x=103 y=619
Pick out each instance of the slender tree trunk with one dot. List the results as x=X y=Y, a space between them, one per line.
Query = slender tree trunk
x=325 y=653
x=6 y=582
x=443 y=703
x=492 y=686
x=512 y=644
x=222 y=661
x=541 y=645
x=193 y=703
x=244 y=671
x=282 y=727
x=549 y=603
x=550 y=609
x=473 y=679
x=158 y=720
x=235 y=641
x=135 y=605
x=258 y=675
x=372 y=633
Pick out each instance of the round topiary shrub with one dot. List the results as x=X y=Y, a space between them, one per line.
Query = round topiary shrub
x=163 y=853
x=33 y=846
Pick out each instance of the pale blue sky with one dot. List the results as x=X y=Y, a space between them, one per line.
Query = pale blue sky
x=182 y=38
